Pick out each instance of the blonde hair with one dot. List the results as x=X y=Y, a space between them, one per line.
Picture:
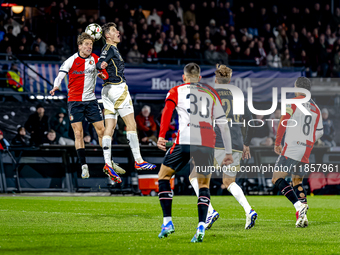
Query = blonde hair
x=82 y=37
x=223 y=74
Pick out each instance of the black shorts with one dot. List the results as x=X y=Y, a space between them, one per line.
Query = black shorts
x=288 y=165
x=89 y=110
x=179 y=155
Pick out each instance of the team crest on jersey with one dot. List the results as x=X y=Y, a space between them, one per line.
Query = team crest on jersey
x=71 y=117
x=91 y=62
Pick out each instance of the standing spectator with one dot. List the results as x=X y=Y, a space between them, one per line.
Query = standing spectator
x=223 y=55
x=263 y=18
x=273 y=59
x=322 y=53
x=211 y=56
x=3 y=142
x=14 y=79
x=110 y=11
x=134 y=56
x=231 y=14
x=139 y=15
x=328 y=129
x=179 y=11
x=52 y=54
x=307 y=19
x=285 y=60
x=146 y=126
x=336 y=64
x=166 y=56
x=61 y=125
x=197 y=54
x=159 y=45
x=42 y=45
x=154 y=16
x=282 y=40
x=275 y=18
x=170 y=14
x=21 y=138
x=316 y=15
x=336 y=19
x=252 y=15
x=190 y=15
x=295 y=46
x=37 y=125
x=15 y=26
x=241 y=19
x=260 y=54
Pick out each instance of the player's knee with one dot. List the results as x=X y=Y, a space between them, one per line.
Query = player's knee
x=228 y=181
x=100 y=132
x=78 y=134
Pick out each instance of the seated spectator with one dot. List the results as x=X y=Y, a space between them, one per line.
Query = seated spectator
x=50 y=138
x=3 y=142
x=166 y=56
x=336 y=64
x=134 y=56
x=21 y=138
x=61 y=125
x=14 y=79
x=197 y=54
x=152 y=56
x=273 y=59
x=36 y=55
x=37 y=124
x=88 y=140
x=154 y=16
x=52 y=54
x=146 y=126
x=211 y=56
x=260 y=54
x=286 y=61
x=328 y=129
x=223 y=55
x=261 y=133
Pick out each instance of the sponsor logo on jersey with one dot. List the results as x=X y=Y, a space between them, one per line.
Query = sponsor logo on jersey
x=84 y=72
x=104 y=52
x=304 y=144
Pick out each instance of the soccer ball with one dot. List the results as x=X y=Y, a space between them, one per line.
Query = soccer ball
x=94 y=30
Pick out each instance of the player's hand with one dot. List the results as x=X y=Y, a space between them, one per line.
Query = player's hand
x=246 y=152
x=228 y=159
x=102 y=76
x=161 y=143
x=54 y=90
x=278 y=149
x=103 y=65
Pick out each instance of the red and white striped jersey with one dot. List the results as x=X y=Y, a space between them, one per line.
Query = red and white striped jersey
x=299 y=140
x=197 y=107
x=82 y=77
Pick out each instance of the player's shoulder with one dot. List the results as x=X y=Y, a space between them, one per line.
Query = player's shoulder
x=72 y=57
x=95 y=56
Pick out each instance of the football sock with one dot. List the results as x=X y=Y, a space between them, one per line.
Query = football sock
x=203 y=204
x=194 y=184
x=134 y=145
x=287 y=190
x=81 y=156
x=300 y=193
x=237 y=192
x=165 y=197
x=106 y=143
x=166 y=220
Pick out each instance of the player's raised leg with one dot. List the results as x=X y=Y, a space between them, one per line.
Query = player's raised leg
x=300 y=193
x=229 y=178
x=80 y=148
x=110 y=168
x=165 y=199
x=132 y=137
x=283 y=186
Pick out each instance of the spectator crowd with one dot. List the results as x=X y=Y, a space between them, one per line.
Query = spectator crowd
x=208 y=32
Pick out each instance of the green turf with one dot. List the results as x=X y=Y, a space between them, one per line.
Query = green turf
x=130 y=225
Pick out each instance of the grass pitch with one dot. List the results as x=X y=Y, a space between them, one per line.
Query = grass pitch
x=130 y=225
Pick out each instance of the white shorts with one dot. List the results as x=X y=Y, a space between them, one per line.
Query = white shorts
x=116 y=101
x=219 y=155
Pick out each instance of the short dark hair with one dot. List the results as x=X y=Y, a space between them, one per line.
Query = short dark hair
x=303 y=82
x=106 y=27
x=192 y=70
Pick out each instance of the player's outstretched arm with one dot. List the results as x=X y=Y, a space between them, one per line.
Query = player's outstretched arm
x=57 y=82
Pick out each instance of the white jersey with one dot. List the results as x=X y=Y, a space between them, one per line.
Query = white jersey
x=82 y=77
x=197 y=107
x=299 y=140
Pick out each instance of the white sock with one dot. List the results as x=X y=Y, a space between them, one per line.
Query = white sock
x=201 y=223
x=194 y=184
x=106 y=143
x=237 y=192
x=166 y=220
x=298 y=205
x=134 y=145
